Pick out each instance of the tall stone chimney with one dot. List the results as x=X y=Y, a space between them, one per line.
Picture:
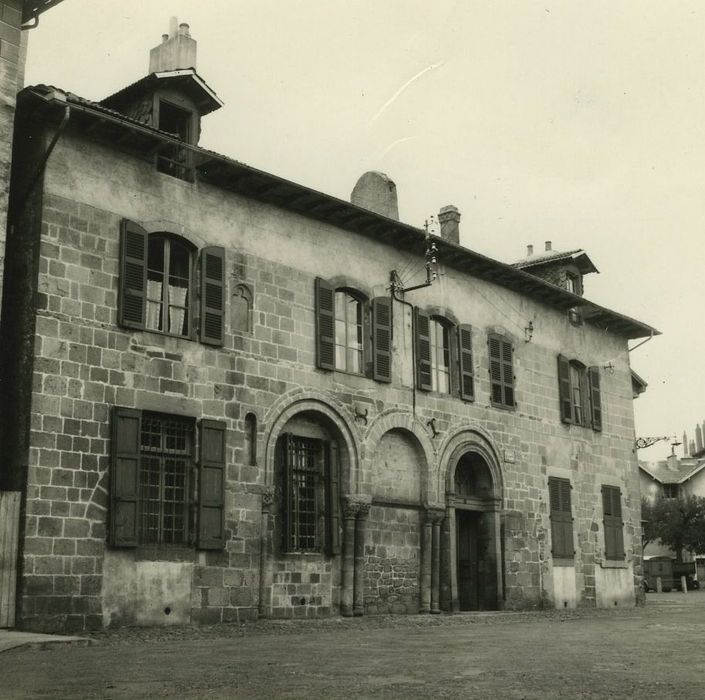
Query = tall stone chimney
x=177 y=50
x=449 y=219
x=378 y=193
x=698 y=438
x=685 y=444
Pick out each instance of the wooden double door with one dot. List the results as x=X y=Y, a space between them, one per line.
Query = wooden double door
x=476 y=562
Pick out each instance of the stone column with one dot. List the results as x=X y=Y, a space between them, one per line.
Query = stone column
x=436 y=560
x=426 y=557
x=350 y=510
x=265 y=555
x=445 y=595
x=360 y=530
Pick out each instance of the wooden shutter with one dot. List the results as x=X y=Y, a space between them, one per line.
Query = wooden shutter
x=133 y=275
x=332 y=500
x=467 y=378
x=212 y=295
x=501 y=356
x=211 y=485
x=612 y=521
x=124 y=478
x=595 y=397
x=325 y=325
x=422 y=326
x=382 y=339
x=561 y=517
x=564 y=390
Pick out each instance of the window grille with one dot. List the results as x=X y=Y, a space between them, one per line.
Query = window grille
x=164 y=471
x=304 y=470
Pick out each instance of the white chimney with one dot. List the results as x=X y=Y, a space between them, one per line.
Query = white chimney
x=529 y=250
x=548 y=245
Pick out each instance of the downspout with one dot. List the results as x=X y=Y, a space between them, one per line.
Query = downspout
x=638 y=345
x=41 y=166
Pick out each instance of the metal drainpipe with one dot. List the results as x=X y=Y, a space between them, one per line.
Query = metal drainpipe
x=413 y=348
x=41 y=166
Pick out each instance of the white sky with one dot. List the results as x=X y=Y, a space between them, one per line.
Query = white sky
x=580 y=123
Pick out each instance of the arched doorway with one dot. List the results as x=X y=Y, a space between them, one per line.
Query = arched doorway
x=475 y=535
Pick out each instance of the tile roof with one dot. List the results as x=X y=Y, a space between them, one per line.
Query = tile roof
x=680 y=471
x=579 y=256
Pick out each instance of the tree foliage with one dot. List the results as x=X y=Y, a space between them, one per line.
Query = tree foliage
x=678 y=522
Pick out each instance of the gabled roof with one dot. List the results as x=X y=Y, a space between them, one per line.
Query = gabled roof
x=105 y=123
x=638 y=384
x=679 y=471
x=578 y=257
x=183 y=79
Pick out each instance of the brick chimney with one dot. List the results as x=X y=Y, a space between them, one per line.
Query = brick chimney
x=449 y=219
x=548 y=245
x=177 y=50
x=529 y=250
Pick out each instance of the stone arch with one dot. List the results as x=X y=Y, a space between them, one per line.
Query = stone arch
x=401 y=420
x=298 y=402
x=461 y=442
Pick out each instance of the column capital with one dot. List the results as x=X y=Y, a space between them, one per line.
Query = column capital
x=356 y=504
x=267 y=497
x=435 y=516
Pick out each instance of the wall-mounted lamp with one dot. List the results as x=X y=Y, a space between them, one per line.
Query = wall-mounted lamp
x=609 y=367
x=529 y=332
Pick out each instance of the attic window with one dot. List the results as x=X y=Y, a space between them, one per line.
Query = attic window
x=174 y=160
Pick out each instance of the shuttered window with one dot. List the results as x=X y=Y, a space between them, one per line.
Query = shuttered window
x=157 y=285
x=501 y=356
x=612 y=521
x=467 y=373
x=422 y=325
x=310 y=469
x=579 y=393
x=348 y=332
x=212 y=295
x=151 y=489
x=561 y=518
x=382 y=339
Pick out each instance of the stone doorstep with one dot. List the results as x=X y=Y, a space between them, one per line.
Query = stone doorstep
x=11 y=639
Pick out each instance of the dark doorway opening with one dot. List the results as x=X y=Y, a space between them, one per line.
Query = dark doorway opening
x=477 y=584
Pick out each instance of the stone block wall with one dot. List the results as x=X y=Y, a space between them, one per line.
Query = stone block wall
x=85 y=364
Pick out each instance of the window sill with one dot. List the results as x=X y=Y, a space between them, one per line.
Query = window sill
x=165 y=552
x=564 y=561
x=503 y=407
x=613 y=564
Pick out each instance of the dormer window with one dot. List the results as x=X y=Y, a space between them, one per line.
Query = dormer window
x=572 y=283
x=172 y=159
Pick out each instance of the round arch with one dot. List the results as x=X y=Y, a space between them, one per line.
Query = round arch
x=298 y=402
x=394 y=419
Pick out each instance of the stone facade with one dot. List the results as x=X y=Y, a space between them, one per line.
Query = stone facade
x=397 y=510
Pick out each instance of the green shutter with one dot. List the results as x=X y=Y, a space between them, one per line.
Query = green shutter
x=467 y=378
x=325 y=325
x=564 y=392
x=501 y=356
x=422 y=326
x=211 y=485
x=212 y=295
x=333 y=500
x=124 y=478
x=595 y=397
x=561 y=517
x=382 y=339
x=133 y=275
x=508 y=372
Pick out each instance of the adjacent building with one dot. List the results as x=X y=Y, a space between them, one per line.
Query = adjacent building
x=227 y=395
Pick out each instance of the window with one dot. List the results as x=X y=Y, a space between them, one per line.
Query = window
x=561 y=518
x=501 y=355
x=309 y=470
x=169 y=270
x=574 y=284
x=612 y=520
x=348 y=332
x=158 y=289
x=440 y=357
x=343 y=338
x=172 y=159
x=151 y=484
x=579 y=393
x=670 y=490
x=437 y=340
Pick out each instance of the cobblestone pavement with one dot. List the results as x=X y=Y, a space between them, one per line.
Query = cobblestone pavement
x=651 y=652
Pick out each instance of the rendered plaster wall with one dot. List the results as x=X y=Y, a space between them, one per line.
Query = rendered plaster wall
x=85 y=364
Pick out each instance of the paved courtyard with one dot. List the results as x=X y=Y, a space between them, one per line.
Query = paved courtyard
x=651 y=652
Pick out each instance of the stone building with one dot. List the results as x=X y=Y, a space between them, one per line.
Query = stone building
x=227 y=398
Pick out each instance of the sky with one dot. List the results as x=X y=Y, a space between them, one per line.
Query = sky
x=579 y=123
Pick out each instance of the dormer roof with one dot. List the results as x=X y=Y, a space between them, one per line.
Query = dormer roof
x=577 y=257
x=184 y=80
